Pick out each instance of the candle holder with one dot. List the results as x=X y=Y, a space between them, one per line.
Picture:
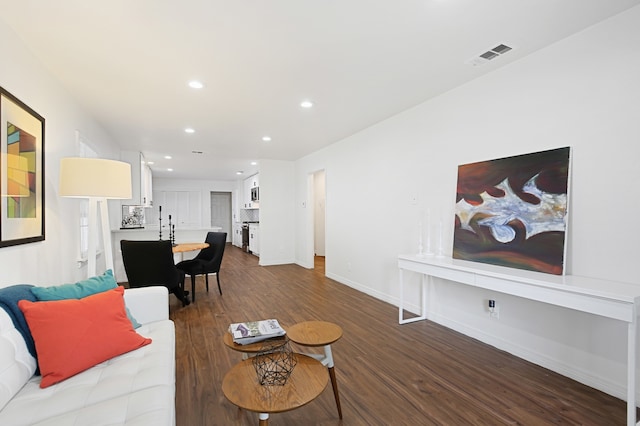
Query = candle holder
x=440 y=251
x=429 y=252
x=170 y=231
x=420 y=247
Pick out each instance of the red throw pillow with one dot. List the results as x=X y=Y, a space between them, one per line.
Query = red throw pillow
x=73 y=335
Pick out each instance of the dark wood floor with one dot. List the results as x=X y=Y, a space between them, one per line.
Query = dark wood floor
x=388 y=374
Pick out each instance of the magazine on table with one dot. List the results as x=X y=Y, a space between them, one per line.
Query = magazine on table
x=245 y=333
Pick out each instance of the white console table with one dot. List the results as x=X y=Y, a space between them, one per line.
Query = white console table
x=609 y=299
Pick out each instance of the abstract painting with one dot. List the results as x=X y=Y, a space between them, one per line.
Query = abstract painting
x=21 y=172
x=513 y=211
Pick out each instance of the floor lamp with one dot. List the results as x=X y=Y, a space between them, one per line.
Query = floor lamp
x=98 y=180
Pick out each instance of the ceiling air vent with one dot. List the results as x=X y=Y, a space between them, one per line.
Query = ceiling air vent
x=490 y=54
x=501 y=49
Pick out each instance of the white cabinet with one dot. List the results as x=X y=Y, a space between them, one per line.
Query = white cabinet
x=246 y=194
x=185 y=208
x=254 y=181
x=147 y=194
x=254 y=238
x=249 y=184
x=237 y=234
x=238 y=203
x=141 y=179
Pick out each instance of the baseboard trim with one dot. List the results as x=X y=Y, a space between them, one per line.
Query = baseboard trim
x=577 y=374
x=582 y=376
x=378 y=295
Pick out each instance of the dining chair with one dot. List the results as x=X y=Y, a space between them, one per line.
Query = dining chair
x=149 y=263
x=206 y=262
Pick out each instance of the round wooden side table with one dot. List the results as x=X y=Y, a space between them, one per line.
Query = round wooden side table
x=250 y=349
x=242 y=388
x=319 y=333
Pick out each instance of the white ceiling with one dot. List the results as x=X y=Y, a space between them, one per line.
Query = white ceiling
x=360 y=61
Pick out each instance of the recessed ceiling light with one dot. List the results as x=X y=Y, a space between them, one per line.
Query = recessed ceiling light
x=189 y=130
x=167 y=157
x=306 y=104
x=169 y=170
x=239 y=172
x=195 y=84
x=150 y=163
x=266 y=138
x=254 y=163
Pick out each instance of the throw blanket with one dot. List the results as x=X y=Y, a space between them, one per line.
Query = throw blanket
x=9 y=298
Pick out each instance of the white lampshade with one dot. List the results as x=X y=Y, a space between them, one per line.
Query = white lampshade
x=95 y=177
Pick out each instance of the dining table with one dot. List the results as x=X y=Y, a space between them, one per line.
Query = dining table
x=180 y=249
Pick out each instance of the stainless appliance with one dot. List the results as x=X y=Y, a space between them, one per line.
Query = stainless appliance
x=245 y=237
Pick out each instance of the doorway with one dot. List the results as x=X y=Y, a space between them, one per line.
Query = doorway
x=319 y=211
x=221 y=211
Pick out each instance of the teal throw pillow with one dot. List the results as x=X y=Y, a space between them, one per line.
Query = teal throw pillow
x=80 y=290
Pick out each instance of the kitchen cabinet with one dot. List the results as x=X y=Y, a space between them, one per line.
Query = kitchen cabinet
x=238 y=203
x=147 y=193
x=185 y=208
x=254 y=238
x=249 y=184
x=237 y=235
x=254 y=181
x=141 y=179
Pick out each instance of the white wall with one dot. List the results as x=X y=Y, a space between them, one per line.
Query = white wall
x=277 y=219
x=582 y=92
x=52 y=261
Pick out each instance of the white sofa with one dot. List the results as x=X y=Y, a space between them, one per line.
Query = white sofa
x=136 y=388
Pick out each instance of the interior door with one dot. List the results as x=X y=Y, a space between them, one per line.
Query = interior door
x=221 y=211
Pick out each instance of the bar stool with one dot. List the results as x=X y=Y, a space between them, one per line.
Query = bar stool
x=319 y=333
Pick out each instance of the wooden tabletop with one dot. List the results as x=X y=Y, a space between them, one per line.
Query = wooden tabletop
x=314 y=333
x=250 y=348
x=307 y=380
x=183 y=247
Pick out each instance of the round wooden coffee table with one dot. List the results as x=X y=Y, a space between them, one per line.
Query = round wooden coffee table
x=252 y=348
x=241 y=387
x=314 y=333
x=319 y=333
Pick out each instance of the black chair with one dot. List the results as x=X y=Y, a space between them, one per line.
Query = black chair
x=207 y=262
x=149 y=263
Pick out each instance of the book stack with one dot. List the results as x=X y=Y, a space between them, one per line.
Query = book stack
x=245 y=333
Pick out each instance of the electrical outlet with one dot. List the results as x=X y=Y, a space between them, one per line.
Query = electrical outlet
x=495 y=313
x=494 y=310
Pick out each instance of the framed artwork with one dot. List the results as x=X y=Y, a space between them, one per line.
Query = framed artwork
x=132 y=217
x=21 y=172
x=513 y=211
